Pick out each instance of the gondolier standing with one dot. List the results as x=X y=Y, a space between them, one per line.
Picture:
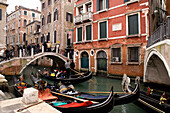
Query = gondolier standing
x=67 y=65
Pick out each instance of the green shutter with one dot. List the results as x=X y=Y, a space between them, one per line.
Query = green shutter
x=98 y=5
x=80 y=34
x=0 y=14
x=103 y=30
x=126 y=1
x=133 y=24
x=88 y=32
x=107 y=4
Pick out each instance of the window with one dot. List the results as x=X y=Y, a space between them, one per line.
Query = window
x=89 y=32
x=102 y=4
x=116 y=55
x=133 y=54
x=88 y=7
x=19 y=38
x=79 y=34
x=43 y=5
x=80 y=10
x=0 y=14
x=49 y=18
x=55 y=36
x=25 y=23
x=69 y=17
x=49 y=2
x=33 y=15
x=103 y=29
x=56 y=15
x=43 y=20
x=25 y=12
x=133 y=27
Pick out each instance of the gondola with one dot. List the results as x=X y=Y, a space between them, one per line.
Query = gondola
x=73 y=79
x=152 y=101
x=19 y=86
x=75 y=107
x=119 y=98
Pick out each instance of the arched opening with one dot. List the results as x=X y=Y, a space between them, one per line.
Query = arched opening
x=156 y=71
x=85 y=60
x=101 y=61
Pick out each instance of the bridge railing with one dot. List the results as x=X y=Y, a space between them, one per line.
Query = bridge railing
x=160 y=34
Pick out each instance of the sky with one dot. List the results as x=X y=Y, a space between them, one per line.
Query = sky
x=32 y=4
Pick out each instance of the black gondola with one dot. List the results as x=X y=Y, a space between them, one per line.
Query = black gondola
x=19 y=85
x=72 y=79
x=105 y=106
x=153 y=102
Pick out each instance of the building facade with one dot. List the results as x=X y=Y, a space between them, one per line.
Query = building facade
x=16 y=26
x=3 y=7
x=111 y=37
x=57 y=23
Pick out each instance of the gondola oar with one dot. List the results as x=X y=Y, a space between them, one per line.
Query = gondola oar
x=114 y=92
x=83 y=100
x=82 y=75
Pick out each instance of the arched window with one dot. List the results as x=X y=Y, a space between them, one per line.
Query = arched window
x=43 y=20
x=25 y=23
x=56 y=15
x=49 y=18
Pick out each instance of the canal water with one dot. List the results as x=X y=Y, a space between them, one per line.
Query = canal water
x=102 y=84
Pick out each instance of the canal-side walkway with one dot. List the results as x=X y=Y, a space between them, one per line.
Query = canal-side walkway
x=12 y=105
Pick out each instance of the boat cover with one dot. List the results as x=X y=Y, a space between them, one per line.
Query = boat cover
x=46 y=95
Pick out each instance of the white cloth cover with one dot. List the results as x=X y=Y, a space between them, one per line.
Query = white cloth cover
x=30 y=96
x=2 y=76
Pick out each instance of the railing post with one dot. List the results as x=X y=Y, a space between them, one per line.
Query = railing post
x=20 y=53
x=32 y=52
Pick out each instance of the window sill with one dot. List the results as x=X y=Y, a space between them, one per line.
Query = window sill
x=116 y=63
x=132 y=63
x=101 y=11
x=130 y=2
x=131 y=36
x=88 y=41
x=80 y=42
x=103 y=39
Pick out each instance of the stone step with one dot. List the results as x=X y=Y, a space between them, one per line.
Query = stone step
x=3 y=96
x=12 y=95
x=7 y=95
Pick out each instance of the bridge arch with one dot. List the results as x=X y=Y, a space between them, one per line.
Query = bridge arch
x=156 y=66
x=58 y=58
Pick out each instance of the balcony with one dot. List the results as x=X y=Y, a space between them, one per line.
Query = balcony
x=160 y=34
x=84 y=17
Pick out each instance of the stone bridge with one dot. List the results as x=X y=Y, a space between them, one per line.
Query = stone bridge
x=157 y=57
x=18 y=64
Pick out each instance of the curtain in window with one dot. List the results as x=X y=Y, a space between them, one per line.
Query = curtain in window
x=103 y=30
x=88 y=32
x=133 y=24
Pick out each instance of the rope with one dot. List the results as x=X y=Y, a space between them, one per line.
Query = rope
x=82 y=75
x=152 y=107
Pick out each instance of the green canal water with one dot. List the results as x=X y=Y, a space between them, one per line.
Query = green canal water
x=103 y=84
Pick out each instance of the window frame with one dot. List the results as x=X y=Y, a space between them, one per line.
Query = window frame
x=67 y=17
x=25 y=13
x=139 y=54
x=111 y=51
x=106 y=30
x=127 y=25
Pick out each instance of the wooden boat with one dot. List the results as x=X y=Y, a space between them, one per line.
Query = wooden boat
x=87 y=107
x=74 y=79
x=153 y=102
x=19 y=85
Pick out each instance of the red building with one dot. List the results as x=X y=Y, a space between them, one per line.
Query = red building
x=111 y=37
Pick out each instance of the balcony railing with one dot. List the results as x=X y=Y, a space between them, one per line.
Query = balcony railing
x=84 y=17
x=160 y=34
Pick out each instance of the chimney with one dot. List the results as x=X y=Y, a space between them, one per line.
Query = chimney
x=37 y=8
x=16 y=7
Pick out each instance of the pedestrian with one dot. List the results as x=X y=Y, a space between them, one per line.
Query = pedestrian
x=49 y=46
x=6 y=54
x=67 y=66
x=72 y=66
x=29 y=50
x=45 y=46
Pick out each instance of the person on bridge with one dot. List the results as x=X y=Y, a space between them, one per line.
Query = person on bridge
x=67 y=66
x=72 y=66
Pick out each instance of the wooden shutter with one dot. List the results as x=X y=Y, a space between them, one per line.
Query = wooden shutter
x=133 y=24
x=98 y=5
x=103 y=30
x=107 y=4
x=80 y=34
x=0 y=14
x=88 y=32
